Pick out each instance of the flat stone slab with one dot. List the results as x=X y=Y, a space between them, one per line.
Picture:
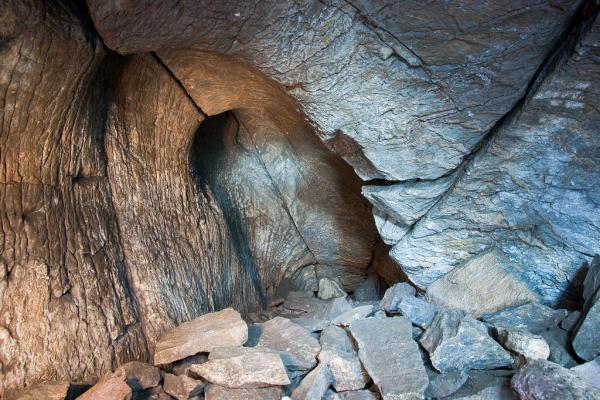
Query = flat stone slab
x=218 y=329
x=216 y=392
x=315 y=384
x=250 y=370
x=391 y=356
x=182 y=387
x=339 y=353
x=355 y=314
x=533 y=317
x=112 y=387
x=306 y=305
x=311 y=324
x=44 y=390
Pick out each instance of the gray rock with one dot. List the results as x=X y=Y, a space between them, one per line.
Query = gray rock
x=50 y=390
x=216 y=392
x=306 y=305
x=339 y=353
x=389 y=230
x=486 y=385
x=468 y=287
x=156 y=393
x=297 y=347
x=589 y=371
x=315 y=384
x=570 y=322
x=417 y=310
x=391 y=356
x=525 y=345
x=533 y=317
x=586 y=339
x=357 y=313
x=140 y=376
x=330 y=289
x=311 y=324
x=542 y=379
x=250 y=370
x=219 y=353
x=560 y=347
x=369 y=290
x=458 y=341
x=182 y=387
x=445 y=384
x=359 y=395
x=182 y=367
x=395 y=294
x=218 y=329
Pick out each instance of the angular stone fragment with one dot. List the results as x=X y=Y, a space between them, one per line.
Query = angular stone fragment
x=140 y=376
x=112 y=387
x=45 y=390
x=216 y=392
x=391 y=356
x=542 y=379
x=395 y=294
x=486 y=385
x=297 y=347
x=338 y=352
x=182 y=387
x=586 y=339
x=525 y=345
x=357 y=313
x=155 y=393
x=358 y=395
x=311 y=324
x=219 y=353
x=218 y=329
x=570 y=322
x=458 y=341
x=560 y=347
x=417 y=310
x=590 y=371
x=330 y=289
x=446 y=383
x=468 y=288
x=315 y=384
x=533 y=317
x=251 y=370
x=182 y=367
x=308 y=306
x=369 y=290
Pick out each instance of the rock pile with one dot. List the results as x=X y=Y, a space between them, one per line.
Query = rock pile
x=332 y=346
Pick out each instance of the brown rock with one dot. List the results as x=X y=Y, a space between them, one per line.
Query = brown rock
x=140 y=376
x=182 y=387
x=182 y=367
x=43 y=390
x=218 y=329
x=112 y=387
x=216 y=392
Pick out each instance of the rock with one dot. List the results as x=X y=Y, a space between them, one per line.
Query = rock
x=569 y=323
x=486 y=385
x=525 y=345
x=468 y=287
x=112 y=387
x=216 y=392
x=155 y=393
x=182 y=367
x=50 y=390
x=357 y=313
x=251 y=370
x=590 y=372
x=315 y=384
x=533 y=317
x=338 y=352
x=219 y=353
x=358 y=395
x=560 y=346
x=308 y=306
x=369 y=290
x=297 y=347
x=311 y=324
x=391 y=356
x=542 y=379
x=586 y=339
x=417 y=310
x=395 y=294
x=446 y=383
x=330 y=289
x=458 y=341
x=218 y=329
x=182 y=387
x=140 y=376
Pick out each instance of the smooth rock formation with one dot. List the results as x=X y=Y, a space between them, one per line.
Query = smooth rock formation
x=215 y=392
x=391 y=356
x=533 y=317
x=541 y=380
x=468 y=287
x=589 y=371
x=458 y=341
x=339 y=353
x=251 y=370
x=355 y=314
x=182 y=387
x=586 y=337
x=43 y=390
x=219 y=329
x=112 y=387
x=140 y=376
x=525 y=345
x=330 y=289
x=315 y=384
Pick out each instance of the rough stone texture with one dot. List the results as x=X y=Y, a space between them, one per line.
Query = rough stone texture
x=400 y=299
x=486 y=385
x=42 y=390
x=250 y=370
x=589 y=371
x=560 y=347
x=311 y=324
x=395 y=294
x=586 y=339
x=359 y=395
x=357 y=313
x=182 y=367
x=458 y=341
x=140 y=376
x=470 y=286
x=315 y=384
x=391 y=356
x=369 y=290
x=306 y=305
x=525 y=345
x=182 y=387
x=216 y=392
x=330 y=289
x=533 y=317
x=218 y=329
x=541 y=379
x=445 y=384
x=156 y=393
x=339 y=353
x=112 y=387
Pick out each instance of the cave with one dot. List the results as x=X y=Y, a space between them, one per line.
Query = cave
x=315 y=199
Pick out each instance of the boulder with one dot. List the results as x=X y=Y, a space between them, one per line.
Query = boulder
x=251 y=370
x=395 y=294
x=338 y=352
x=49 y=390
x=297 y=347
x=458 y=341
x=533 y=317
x=218 y=329
x=357 y=313
x=216 y=392
x=468 y=287
x=112 y=387
x=182 y=387
x=586 y=339
x=589 y=371
x=542 y=380
x=315 y=384
x=523 y=344
x=330 y=289
x=140 y=376
x=391 y=356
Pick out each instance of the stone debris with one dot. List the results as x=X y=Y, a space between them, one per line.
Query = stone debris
x=533 y=317
x=486 y=385
x=112 y=387
x=586 y=339
x=355 y=314
x=315 y=384
x=523 y=345
x=182 y=367
x=590 y=371
x=216 y=392
x=140 y=376
x=330 y=289
x=312 y=324
x=182 y=387
x=369 y=290
x=44 y=390
x=306 y=305
x=394 y=295
x=218 y=329
x=446 y=383
x=560 y=347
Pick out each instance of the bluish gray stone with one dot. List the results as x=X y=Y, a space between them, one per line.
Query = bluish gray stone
x=534 y=317
x=586 y=339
